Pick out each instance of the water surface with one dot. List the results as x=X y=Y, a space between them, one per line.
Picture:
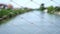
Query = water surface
x=34 y=22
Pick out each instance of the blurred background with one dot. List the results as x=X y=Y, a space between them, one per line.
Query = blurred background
x=29 y=16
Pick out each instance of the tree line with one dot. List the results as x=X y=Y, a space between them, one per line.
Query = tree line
x=50 y=9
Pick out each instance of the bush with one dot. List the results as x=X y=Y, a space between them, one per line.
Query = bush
x=3 y=12
x=51 y=9
x=57 y=8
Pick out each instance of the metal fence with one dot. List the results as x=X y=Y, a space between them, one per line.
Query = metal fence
x=37 y=16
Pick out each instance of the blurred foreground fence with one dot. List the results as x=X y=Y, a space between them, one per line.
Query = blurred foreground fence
x=9 y=13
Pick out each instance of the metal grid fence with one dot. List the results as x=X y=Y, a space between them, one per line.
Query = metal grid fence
x=37 y=16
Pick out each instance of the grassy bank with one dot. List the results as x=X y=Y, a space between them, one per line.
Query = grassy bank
x=6 y=14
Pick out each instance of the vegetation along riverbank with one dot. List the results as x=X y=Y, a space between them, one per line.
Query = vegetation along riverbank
x=6 y=14
x=50 y=9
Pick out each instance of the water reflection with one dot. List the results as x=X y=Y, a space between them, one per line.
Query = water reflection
x=34 y=22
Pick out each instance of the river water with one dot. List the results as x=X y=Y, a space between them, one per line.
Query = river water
x=34 y=22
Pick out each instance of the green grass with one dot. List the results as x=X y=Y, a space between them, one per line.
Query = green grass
x=6 y=14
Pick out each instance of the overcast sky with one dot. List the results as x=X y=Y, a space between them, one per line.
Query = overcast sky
x=30 y=4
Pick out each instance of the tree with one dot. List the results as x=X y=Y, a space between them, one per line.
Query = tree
x=51 y=9
x=42 y=7
x=57 y=8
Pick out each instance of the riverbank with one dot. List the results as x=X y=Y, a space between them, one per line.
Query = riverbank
x=6 y=14
x=58 y=13
x=55 y=12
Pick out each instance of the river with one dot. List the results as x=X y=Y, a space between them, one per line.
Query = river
x=34 y=22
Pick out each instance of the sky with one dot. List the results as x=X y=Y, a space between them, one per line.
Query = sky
x=31 y=4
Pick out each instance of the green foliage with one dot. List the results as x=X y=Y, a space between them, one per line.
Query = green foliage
x=51 y=9
x=57 y=8
x=8 y=13
x=3 y=12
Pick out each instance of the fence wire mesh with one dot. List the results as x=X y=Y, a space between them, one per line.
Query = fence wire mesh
x=32 y=23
